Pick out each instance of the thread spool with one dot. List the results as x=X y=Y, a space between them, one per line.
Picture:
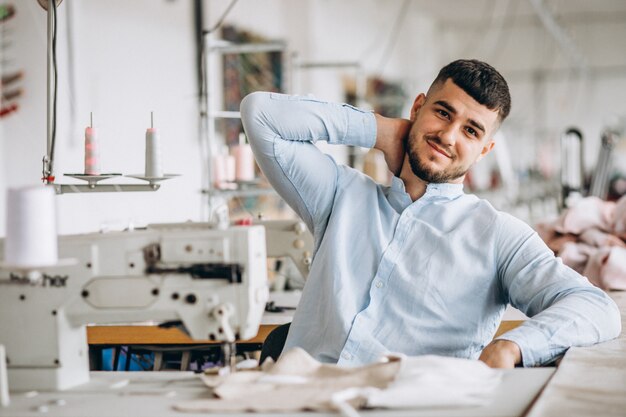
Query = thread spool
x=92 y=151
x=244 y=160
x=154 y=167
x=31 y=239
x=223 y=168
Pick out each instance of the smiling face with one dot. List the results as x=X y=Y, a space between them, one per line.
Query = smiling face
x=451 y=131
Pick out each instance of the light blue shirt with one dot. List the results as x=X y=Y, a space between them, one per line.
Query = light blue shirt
x=431 y=276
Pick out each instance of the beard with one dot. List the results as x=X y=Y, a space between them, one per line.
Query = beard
x=429 y=175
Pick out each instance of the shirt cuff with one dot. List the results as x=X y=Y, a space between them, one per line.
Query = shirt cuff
x=361 y=127
x=533 y=344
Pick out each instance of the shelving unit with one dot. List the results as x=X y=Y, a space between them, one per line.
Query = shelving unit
x=214 y=51
x=298 y=67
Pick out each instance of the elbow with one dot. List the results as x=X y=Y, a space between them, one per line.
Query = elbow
x=615 y=318
x=251 y=109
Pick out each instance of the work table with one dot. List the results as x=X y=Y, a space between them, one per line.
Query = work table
x=588 y=381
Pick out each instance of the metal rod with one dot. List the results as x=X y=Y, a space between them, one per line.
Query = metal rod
x=231 y=48
x=102 y=188
x=49 y=91
x=329 y=64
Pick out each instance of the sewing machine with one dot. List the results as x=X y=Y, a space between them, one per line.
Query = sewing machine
x=212 y=282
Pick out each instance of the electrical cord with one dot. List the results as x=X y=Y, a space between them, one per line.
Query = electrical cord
x=393 y=36
x=54 y=94
x=221 y=19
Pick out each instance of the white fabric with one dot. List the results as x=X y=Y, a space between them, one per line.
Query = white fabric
x=299 y=382
x=434 y=381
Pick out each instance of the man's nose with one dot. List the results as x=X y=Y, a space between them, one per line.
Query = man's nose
x=447 y=135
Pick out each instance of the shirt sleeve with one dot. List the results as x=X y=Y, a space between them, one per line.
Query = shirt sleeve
x=282 y=130
x=564 y=308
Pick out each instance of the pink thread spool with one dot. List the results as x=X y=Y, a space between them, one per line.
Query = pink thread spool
x=92 y=151
x=244 y=160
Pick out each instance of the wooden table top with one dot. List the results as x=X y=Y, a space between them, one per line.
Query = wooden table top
x=154 y=335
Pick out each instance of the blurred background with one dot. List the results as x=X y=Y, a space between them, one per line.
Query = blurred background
x=121 y=60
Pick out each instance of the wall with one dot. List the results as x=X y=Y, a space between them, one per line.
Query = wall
x=130 y=58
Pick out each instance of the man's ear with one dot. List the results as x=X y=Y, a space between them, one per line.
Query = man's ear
x=417 y=104
x=486 y=149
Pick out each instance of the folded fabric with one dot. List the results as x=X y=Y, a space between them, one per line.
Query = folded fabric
x=619 y=218
x=436 y=381
x=590 y=238
x=607 y=268
x=576 y=255
x=298 y=382
x=554 y=240
x=587 y=213
x=596 y=237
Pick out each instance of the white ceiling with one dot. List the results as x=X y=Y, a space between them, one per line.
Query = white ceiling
x=477 y=10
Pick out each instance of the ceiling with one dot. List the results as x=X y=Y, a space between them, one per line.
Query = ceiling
x=473 y=11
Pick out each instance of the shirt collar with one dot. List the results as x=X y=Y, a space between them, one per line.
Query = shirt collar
x=432 y=189
x=444 y=190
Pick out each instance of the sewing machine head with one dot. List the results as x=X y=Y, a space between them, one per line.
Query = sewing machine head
x=212 y=281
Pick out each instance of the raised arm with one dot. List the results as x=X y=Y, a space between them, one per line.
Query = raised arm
x=564 y=308
x=282 y=129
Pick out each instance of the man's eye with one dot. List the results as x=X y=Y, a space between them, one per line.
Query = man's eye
x=443 y=113
x=471 y=131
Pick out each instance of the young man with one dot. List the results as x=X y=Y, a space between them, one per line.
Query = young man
x=418 y=267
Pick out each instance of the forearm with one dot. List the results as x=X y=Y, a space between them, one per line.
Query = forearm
x=304 y=119
x=581 y=318
x=565 y=309
x=281 y=130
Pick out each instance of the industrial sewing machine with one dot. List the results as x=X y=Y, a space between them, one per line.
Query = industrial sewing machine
x=213 y=282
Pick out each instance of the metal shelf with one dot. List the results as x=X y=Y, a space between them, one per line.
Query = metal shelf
x=102 y=188
x=215 y=49
x=252 y=192
x=225 y=47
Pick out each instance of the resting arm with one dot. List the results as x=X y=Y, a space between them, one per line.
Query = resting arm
x=564 y=308
x=282 y=129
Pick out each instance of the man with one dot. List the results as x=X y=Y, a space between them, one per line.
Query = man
x=418 y=267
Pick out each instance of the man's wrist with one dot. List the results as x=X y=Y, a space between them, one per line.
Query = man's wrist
x=511 y=348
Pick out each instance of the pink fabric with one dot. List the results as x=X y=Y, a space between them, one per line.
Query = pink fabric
x=591 y=239
x=613 y=275
x=576 y=255
x=589 y=212
x=619 y=218
x=554 y=239
x=598 y=238
x=593 y=269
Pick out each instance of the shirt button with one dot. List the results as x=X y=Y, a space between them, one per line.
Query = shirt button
x=346 y=355
x=379 y=284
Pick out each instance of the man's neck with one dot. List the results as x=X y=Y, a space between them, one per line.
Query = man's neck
x=414 y=186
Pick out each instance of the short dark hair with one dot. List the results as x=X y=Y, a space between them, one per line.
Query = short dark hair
x=481 y=81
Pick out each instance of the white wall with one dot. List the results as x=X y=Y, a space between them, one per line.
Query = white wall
x=131 y=58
